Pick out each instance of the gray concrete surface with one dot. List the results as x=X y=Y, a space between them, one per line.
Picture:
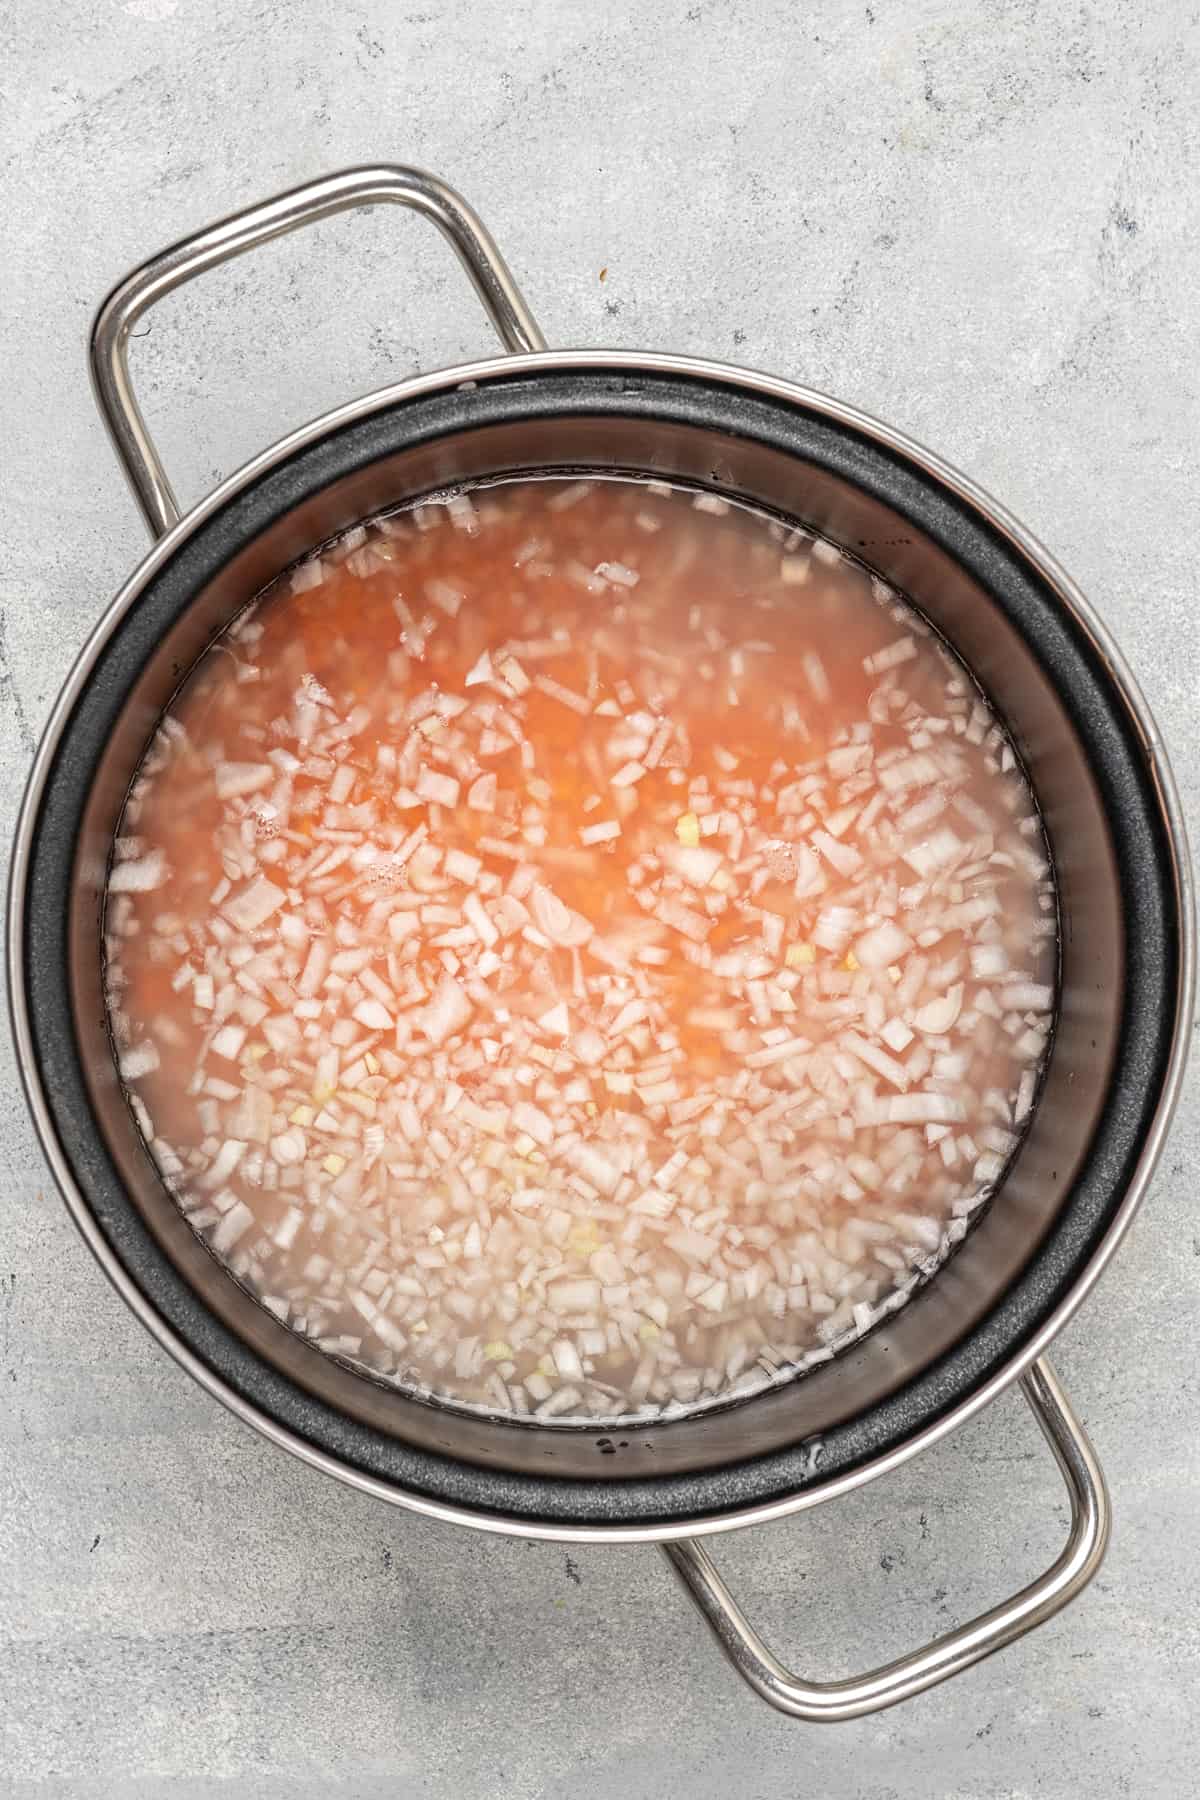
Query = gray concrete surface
x=975 y=220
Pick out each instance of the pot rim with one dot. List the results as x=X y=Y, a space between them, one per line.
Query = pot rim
x=838 y=412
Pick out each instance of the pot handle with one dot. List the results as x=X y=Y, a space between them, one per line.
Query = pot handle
x=833 y=1701
x=369 y=186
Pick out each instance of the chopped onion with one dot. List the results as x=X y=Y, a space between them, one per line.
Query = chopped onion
x=139 y=875
x=447 y=1012
x=569 y=1116
x=558 y=922
x=254 y=905
x=939 y=1015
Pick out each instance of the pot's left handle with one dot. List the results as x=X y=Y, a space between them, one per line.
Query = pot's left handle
x=369 y=186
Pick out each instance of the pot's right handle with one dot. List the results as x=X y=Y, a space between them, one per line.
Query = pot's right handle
x=385 y=182
x=832 y=1701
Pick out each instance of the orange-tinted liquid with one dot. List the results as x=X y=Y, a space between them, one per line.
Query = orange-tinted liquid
x=586 y=953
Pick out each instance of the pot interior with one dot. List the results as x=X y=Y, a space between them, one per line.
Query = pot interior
x=999 y=612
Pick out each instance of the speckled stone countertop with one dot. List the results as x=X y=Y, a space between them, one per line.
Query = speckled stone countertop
x=976 y=221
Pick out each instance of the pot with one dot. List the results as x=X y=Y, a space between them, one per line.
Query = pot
x=1111 y=817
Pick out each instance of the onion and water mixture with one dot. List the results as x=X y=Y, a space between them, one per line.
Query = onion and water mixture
x=580 y=949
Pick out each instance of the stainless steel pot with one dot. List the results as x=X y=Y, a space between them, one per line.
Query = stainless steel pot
x=1112 y=820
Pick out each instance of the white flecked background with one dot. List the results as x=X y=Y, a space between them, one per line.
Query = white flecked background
x=978 y=221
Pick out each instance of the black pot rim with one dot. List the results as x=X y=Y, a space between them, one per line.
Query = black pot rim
x=1155 y=877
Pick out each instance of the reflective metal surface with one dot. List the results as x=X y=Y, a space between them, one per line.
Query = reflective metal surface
x=737 y=381
x=1075 y=1091
x=831 y=1702
x=373 y=185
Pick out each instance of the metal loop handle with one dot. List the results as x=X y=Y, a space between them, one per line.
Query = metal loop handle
x=832 y=1701
x=369 y=186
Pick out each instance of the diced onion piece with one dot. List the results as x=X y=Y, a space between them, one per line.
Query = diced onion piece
x=557 y=1021
x=901 y=651
x=595 y=1167
x=906 y=1109
x=140 y=875
x=881 y=946
x=439 y=789
x=874 y=1058
x=235 y=1224
x=143 y=1060
x=896 y=1035
x=447 y=1012
x=558 y=922
x=696 y=864
x=934 y=852
x=228 y=1042
x=254 y=905
x=940 y=1015
x=374 y=1015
